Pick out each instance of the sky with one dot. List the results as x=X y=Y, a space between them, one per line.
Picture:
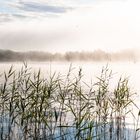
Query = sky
x=69 y=25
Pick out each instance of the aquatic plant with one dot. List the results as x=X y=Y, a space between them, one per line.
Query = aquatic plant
x=33 y=107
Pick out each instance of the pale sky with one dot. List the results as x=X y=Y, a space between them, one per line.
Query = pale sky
x=69 y=25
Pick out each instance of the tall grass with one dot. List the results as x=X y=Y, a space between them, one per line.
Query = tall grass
x=33 y=107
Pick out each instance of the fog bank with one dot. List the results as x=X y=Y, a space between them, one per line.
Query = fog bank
x=97 y=55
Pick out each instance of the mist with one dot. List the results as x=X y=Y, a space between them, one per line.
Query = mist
x=97 y=56
x=106 y=25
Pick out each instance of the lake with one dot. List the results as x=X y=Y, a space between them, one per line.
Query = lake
x=90 y=72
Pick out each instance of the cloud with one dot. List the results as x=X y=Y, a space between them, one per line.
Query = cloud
x=19 y=10
x=10 y=17
x=38 y=7
x=5 y=18
x=108 y=26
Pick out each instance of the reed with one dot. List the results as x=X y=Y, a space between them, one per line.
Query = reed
x=33 y=107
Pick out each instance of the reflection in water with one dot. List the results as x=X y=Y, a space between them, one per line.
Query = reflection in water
x=89 y=73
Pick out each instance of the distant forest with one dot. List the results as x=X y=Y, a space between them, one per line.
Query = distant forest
x=97 y=55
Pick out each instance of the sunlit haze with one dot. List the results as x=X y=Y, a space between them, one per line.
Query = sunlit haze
x=84 y=25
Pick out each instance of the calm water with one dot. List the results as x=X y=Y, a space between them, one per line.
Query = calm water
x=90 y=72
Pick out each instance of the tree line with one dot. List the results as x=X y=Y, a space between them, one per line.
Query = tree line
x=97 y=55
